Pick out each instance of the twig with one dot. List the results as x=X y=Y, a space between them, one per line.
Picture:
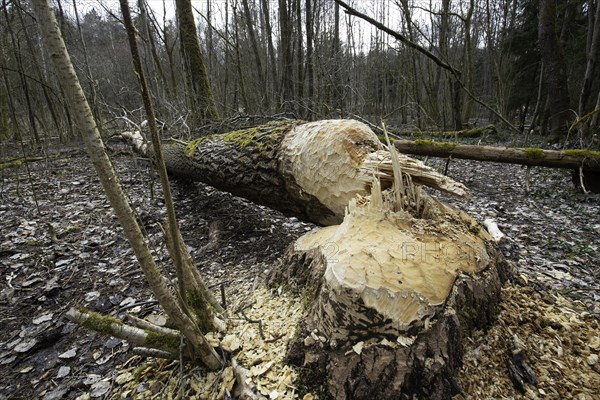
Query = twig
x=147 y=352
x=275 y=338
x=252 y=321
x=447 y=165
x=585 y=191
x=223 y=299
x=243 y=389
x=143 y=324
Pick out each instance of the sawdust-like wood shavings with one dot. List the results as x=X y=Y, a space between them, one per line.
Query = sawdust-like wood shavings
x=558 y=339
x=279 y=315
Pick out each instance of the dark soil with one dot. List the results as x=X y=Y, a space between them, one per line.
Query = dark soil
x=69 y=250
x=73 y=252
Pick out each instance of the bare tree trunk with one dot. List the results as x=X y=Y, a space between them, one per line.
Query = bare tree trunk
x=97 y=153
x=287 y=61
x=20 y=69
x=592 y=59
x=310 y=72
x=269 y=35
x=299 y=51
x=257 y=58
x=88 y=71
x=238 y=60
x=202 y=100
x=149 y=28
x=414 y=61
x=469 y=61
x=40 y=75
x=554 y=70
x=338 y=91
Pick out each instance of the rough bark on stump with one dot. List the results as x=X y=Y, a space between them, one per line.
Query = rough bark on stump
x=393 y=297
x=310 y=170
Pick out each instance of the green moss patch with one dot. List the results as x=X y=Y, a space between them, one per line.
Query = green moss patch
x=192 y=146
x=162 y=340
x=98 y=322
x=439 y=145
x=534 y=153
x=582 y=153
x=16 y=163
x=262 y=137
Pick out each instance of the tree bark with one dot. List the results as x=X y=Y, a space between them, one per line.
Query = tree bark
x=309 y=170
x=469 y=68
x=592 y=59
x=257 y=58
x=269 y=38
x=570 y=159
x=393 y=296
x=202 y=100
x=287 y=61
x=555 y=70
x=310 y=73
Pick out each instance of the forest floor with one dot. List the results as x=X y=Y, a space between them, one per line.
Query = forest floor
x=69 y=250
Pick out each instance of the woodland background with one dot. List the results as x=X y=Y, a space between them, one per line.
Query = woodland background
x=532 y=61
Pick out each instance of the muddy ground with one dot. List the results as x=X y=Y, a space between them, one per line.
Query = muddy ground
x=60 y=245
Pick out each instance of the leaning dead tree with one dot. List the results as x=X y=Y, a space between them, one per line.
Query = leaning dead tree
x=310 y=170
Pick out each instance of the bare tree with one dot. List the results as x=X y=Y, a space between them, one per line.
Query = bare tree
x=200 y=91
x=255 y=51
x=593 y=48
x=285 y=45
x=95 y=147
x=555 y=76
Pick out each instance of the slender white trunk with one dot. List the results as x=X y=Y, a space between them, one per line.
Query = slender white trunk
x=95 y=147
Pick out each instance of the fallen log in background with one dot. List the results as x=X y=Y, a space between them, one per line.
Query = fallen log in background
x=585 y=164
x=571 y=159
x=465 y=133
x=310 y=170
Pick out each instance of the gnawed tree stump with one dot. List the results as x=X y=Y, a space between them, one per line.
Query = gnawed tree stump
x=309 y=170
x=393 y=292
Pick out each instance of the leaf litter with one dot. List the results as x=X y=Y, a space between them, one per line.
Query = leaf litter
x=75 y=253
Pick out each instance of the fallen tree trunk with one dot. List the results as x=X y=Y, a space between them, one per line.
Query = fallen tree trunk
x=585 y=164
x=310 y=170
x=571 y=159
x=465 y=133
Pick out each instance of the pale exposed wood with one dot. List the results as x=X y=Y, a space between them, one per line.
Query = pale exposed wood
x=394 y=291
x=523 y=156
x=393 y=299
